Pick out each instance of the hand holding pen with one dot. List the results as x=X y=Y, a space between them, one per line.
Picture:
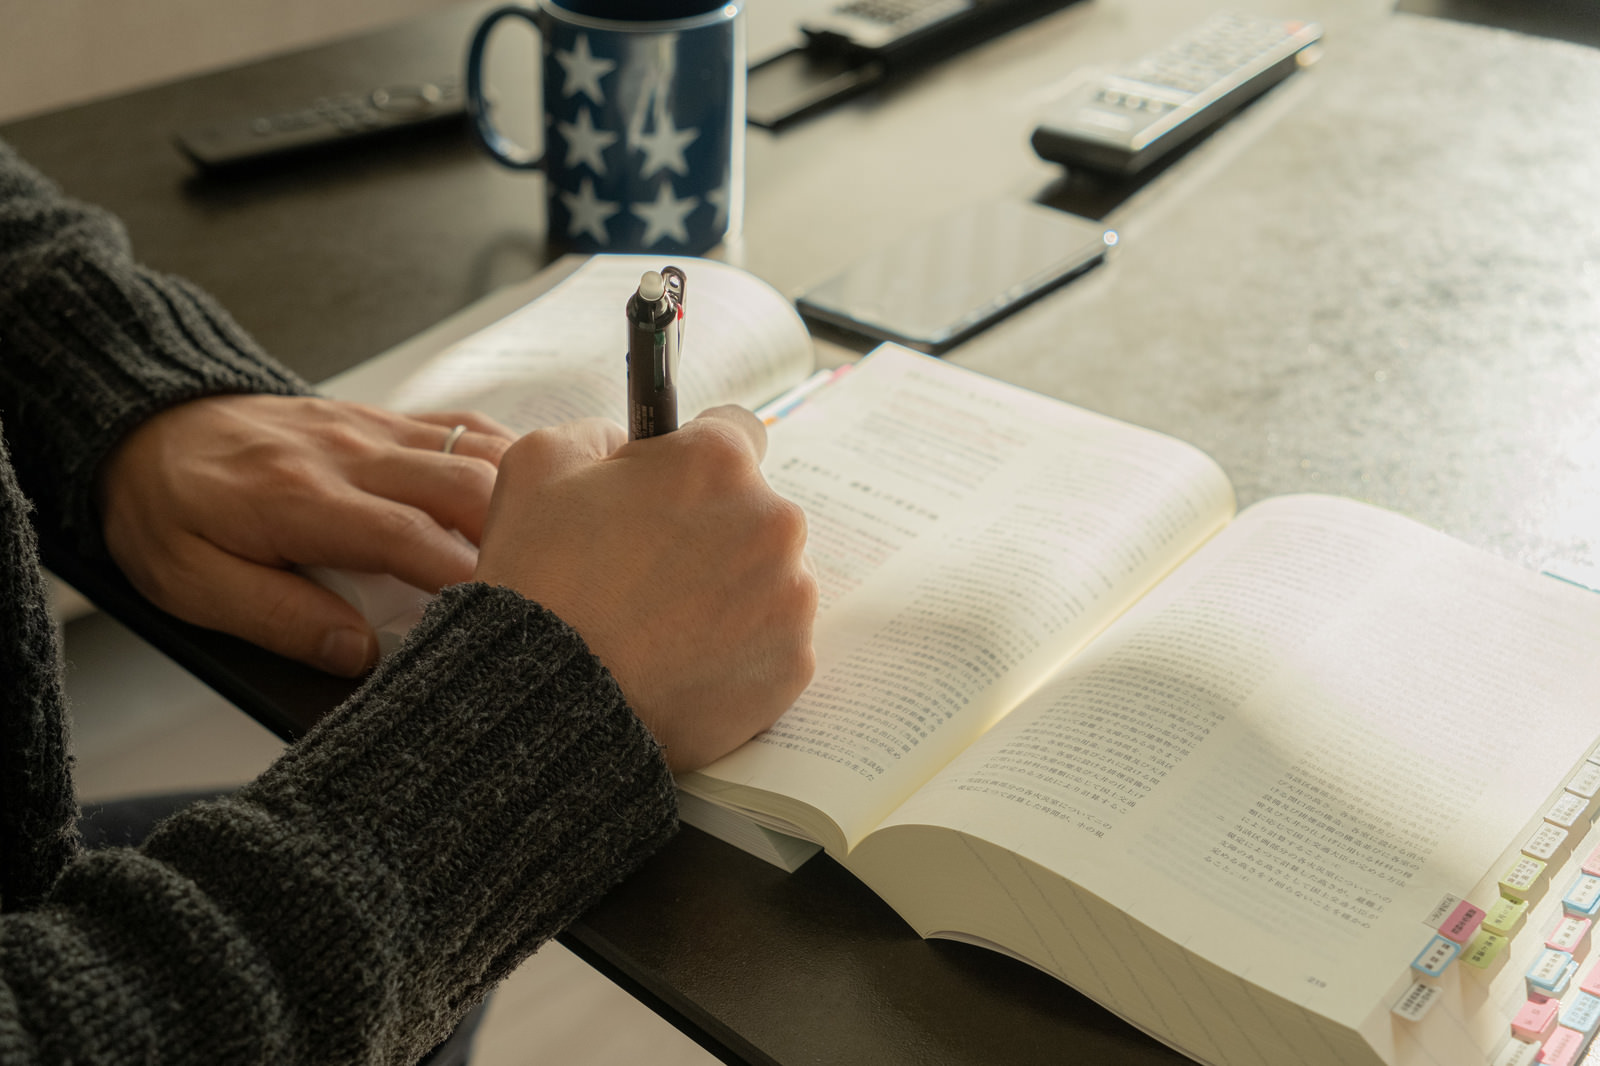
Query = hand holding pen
x=655 y=342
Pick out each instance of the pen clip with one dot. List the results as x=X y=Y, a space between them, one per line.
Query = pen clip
x=677 y=283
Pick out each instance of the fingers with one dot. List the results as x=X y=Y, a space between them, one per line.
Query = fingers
x=430 y=431
x=739 y=423
x=476 y=421
x=289 y=614
x=371 y=533
x=453 y=489
x=558 y=449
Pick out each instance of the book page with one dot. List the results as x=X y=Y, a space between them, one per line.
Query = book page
x=1284 y=757
x=563 y=355
x=968 y=535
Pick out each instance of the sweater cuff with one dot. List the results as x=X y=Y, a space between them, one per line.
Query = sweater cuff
x=92 y=343
x=126 y=344
x=484 y=787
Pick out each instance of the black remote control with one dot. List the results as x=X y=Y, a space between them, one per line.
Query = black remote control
x=324 y=122
x=1123 y=121
x=912 y=31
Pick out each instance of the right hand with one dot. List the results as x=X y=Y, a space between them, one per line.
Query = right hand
x=674 y=560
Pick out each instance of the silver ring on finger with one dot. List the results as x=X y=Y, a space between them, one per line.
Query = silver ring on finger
x=450 y=441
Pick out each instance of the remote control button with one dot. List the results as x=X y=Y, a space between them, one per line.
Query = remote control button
x=407 y=99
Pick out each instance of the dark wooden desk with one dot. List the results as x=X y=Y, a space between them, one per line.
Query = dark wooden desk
x=334 y=260
x=1340 y=293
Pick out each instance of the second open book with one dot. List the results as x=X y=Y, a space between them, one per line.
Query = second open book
x=1225 y=774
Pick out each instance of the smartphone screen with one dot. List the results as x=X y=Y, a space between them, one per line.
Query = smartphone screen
x=938 y=286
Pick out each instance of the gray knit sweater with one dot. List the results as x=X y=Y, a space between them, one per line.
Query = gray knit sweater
x=484 y=786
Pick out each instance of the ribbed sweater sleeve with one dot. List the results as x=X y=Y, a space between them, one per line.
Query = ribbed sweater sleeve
x=485 y=786
x=37 y=809
x=92 y=343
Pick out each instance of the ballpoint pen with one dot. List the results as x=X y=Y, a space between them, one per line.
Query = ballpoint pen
x=655 y=342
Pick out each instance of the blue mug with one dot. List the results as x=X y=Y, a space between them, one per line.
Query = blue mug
x=643 y=121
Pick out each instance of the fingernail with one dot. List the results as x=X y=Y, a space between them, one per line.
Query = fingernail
x=347 y=652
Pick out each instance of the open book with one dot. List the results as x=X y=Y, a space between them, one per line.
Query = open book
x=1228 y=775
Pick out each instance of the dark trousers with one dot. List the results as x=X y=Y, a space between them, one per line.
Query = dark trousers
x=125 y=823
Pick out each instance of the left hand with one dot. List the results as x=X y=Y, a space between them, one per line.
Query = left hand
x=208 y=507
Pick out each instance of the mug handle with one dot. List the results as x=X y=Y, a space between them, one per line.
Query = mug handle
x=496 y=143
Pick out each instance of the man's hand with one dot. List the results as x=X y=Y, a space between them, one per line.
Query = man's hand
x=676 y=562
x=208 y=506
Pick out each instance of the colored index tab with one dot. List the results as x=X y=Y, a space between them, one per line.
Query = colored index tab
x=1536 y=1020
x=1517 y=1053
x=1581 y=1014
x=1562 y=1048
x=1485 y=950
x=1591 y=981
x=1591 y=865
x=1417 y=1001
x=1520 y=880
x=1546 y=843
x=1583 y=898
x=1569 y=935
x=1550 y=972
x=1462 y=923
x=1585 y=781
x=1566 y=811
x=1436 y=956
x=1505 y=916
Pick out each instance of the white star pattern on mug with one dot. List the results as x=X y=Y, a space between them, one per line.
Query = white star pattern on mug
x=589 y=213
x=584 y=70
x=665 y=216
x=661 y=149
x=585 y=144
x=664 y=147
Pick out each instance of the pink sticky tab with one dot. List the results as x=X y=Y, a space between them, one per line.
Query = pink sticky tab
x=1536 y=1020
x=1462 y=923
x=1591 y=981
x=1591 y=865
x=1570 y=935
x=1562 y=1048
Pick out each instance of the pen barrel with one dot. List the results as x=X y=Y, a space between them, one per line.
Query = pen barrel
x=652 y=367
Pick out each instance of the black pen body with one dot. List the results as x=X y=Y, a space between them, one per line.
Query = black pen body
x=655 y=333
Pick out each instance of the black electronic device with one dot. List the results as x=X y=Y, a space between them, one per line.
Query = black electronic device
x=324 y=122
x=853 y=45
x=1122 y=121
x=940 y=285
x=881 y=27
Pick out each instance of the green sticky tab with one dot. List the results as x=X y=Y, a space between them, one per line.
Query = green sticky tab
x=1505 y=916
x=1484 y=949
x=1522 y=878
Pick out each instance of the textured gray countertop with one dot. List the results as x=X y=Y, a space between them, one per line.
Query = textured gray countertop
x=1388 y=288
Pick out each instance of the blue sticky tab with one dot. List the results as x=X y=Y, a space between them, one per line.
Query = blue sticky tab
x=1582 y=1013
x=1550 y=972
x=1436 y=956
x=1583 y=898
